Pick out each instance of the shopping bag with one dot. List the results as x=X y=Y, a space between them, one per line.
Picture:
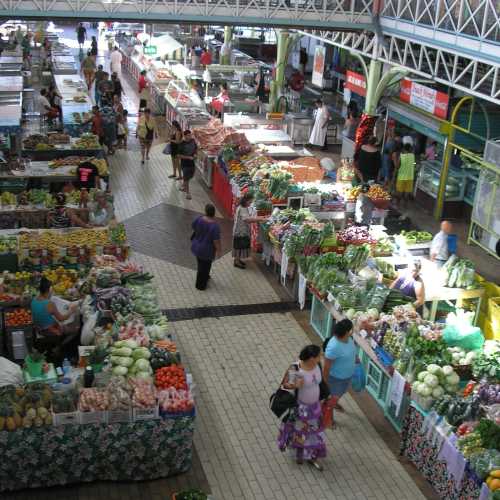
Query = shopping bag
x=327 y=407
x=358 y=381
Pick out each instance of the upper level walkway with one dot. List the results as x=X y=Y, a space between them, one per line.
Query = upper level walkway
x=337 y=15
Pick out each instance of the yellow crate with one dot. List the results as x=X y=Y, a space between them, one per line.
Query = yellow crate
x=481 y=318
x=489 y=332
x=494 y=313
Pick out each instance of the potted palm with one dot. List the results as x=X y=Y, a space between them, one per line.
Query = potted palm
x=191 y=494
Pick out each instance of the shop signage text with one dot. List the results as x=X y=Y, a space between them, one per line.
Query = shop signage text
x=150 y=50
x=355 y=83
x=425 y=98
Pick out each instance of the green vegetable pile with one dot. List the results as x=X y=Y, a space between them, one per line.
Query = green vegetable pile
x=427 y=352
x=487 y=365
x=490 y=433
x=460 y=273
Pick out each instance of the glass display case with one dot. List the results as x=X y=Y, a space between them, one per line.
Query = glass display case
x=428 y=180
x=180 y=95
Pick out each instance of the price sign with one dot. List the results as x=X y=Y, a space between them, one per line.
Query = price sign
x=150 y=50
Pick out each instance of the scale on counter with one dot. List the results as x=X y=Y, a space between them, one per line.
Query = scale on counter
x=312 y=200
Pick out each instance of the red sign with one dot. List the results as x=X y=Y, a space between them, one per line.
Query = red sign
x=355 y=83
x=425 y=98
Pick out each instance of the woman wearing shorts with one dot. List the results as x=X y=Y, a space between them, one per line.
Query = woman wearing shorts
x=187 y=154
x=405 y=174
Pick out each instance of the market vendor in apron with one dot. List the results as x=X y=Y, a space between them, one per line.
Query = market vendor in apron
x=410 y=283
x=219 y=101
x=321 y=119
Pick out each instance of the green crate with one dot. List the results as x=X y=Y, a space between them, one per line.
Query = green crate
x=377 y=383
x=321 y=320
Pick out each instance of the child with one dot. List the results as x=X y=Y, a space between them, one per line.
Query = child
x=123 y=131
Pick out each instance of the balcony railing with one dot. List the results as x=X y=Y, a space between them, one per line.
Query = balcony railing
x=479 y=19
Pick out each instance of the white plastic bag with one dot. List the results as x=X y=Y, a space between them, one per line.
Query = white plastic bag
x=10 y=373
x=88 y=330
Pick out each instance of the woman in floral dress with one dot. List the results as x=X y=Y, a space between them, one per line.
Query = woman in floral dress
x=303 y=432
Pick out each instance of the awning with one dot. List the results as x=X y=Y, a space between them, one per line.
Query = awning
x=425 y=124
x=165 y=44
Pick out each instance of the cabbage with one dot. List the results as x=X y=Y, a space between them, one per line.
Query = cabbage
x=437 y=392
x=453 y=379
x=121 y=351
x=349 y=314
x=141 y=352
x=144 y=375
x=142 y=365
x=416 y=387
x=431 y=380
x=434 y=369
x=425 y=391
x=131 y=344
x=119 y=370
x=447 y=370
x=422 y=375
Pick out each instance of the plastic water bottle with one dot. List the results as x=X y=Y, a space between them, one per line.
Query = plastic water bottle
x=66 y=366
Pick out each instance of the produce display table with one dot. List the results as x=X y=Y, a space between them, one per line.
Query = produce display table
x=41 y=170
x=58 y=455
x=61 y=151
x=423 y=453
x=222 y=189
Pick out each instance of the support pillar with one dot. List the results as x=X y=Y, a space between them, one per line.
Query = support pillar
x=226 y=53
x=281 y=60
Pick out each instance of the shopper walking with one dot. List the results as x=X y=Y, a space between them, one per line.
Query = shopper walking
x=97 y=125
x=115 y=65
x=175 y=141
x=187 y=154
x=109 y=124
x=244 y=216
x=93 y=48
x=143 y=89
x=146 y=131
x=88 y=68
x=405 y=174
x=340 y=360
x=303 y=432
x=367 y=161
x=205 y=244
x=81 y=35
x=117 y=85
x=100 y=75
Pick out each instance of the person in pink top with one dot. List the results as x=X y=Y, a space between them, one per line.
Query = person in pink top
x=304 y=432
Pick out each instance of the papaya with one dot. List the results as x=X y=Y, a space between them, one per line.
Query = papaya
x=10 y=424
x=495 y=473
x=495 y=484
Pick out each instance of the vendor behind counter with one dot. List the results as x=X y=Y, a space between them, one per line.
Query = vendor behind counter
x=410 y=283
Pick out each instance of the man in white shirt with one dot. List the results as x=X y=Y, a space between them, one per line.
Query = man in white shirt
x=439 y=246
x=43 y=103
x=116 y=62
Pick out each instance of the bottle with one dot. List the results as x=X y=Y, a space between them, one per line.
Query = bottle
x=66 y=366
x=88 y=377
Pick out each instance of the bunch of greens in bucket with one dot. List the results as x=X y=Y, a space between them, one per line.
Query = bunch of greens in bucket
x=460 y=273
x=279 y=183
x=191 y=495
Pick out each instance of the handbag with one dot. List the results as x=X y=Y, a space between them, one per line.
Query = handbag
x=167 y=150
x=324 y=389
x=241 y=242
x=283 y=402
x=358 y=381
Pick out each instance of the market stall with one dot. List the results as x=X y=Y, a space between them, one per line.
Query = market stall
x=128 y=388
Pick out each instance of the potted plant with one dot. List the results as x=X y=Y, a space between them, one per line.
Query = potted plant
x=96 y=358
x=34 y=363
x=191 y=494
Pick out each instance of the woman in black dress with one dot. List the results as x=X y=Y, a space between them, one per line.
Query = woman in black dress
x=93 y=48
x=175 y=140
x=367 y=161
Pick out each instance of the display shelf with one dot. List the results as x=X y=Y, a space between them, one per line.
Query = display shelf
x=429 y=178
x=390 y=410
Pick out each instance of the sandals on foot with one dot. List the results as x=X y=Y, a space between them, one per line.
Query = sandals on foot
x=171 y=176
x=315 y=464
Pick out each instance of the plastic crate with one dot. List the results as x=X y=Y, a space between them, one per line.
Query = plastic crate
x=140 y=414
x=66 y=418
x=166 y=415
x=116 y=416
x=93 y=417
x=321 y=320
